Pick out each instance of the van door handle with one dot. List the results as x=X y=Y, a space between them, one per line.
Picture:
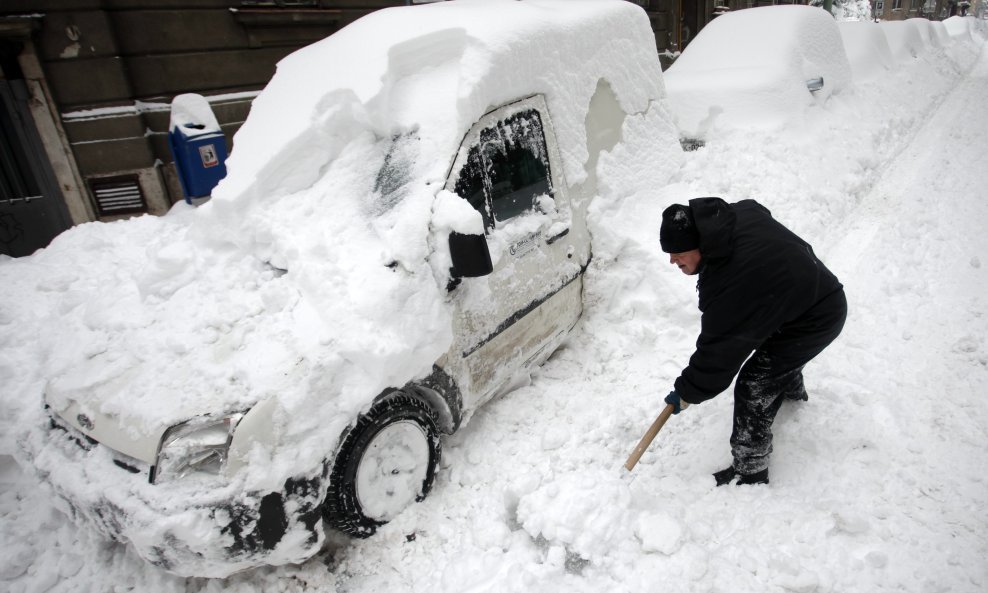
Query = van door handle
x=557 y=236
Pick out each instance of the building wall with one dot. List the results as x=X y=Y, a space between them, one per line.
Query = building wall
x=900 y=10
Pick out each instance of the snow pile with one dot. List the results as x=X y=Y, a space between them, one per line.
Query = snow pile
x=761 y=79
x=959 y=27
x=967 y=28
x=867 y=49
x=904 y=39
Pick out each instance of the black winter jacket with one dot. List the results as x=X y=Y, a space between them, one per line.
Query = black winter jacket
x=755 y=276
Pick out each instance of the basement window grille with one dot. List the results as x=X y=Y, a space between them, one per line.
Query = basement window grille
x=118 y=195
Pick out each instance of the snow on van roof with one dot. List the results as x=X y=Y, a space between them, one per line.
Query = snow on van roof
x=438 y=67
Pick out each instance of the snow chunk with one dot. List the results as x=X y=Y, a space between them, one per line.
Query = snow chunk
x=659 y=533
x=453 y=213
x=586 y=512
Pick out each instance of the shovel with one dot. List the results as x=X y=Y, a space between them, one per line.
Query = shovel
x=649 y=436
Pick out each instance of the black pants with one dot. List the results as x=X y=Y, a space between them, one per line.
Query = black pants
x=774 y=373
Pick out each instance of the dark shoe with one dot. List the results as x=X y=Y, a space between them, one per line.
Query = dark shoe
x=799 y=396
x=727 y=475
x=755 y=478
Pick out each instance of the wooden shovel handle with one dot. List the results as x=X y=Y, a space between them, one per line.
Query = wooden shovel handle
x=649 y=436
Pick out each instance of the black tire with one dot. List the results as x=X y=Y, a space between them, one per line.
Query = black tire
x=399 y=411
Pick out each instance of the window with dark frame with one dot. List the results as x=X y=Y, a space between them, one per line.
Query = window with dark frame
x=507 y=170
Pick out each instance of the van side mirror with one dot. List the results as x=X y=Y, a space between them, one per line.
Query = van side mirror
x=471 y=256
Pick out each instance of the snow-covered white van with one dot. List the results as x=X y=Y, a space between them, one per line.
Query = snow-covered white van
x=401 y=235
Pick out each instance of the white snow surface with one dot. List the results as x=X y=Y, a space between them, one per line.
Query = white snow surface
x=878 y=481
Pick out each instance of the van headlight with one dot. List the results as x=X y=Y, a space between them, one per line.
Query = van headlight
x=200 y=445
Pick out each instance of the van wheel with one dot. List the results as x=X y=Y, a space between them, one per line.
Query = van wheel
x=388 y=460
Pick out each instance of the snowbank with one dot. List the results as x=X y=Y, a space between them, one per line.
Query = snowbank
x=958 y=27
x=967 y=27
x=927 y=31
x=904 y=39
x=867 y=49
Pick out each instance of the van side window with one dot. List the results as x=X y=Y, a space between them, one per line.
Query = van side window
x=508 y=169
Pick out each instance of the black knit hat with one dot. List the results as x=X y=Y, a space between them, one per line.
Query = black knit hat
x=678 y=232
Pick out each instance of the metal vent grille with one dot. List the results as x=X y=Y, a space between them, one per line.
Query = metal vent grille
x=118 y=195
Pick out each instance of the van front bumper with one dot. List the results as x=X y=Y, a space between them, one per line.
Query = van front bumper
x=190 y=527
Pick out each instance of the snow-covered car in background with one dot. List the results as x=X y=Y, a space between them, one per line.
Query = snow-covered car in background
x=401 y=235
x=904 y=39
x=966 y=28
x=756 y=68
x=867 y=49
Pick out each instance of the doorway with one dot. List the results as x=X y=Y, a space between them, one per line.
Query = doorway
x=32 y=210
x=691 y=18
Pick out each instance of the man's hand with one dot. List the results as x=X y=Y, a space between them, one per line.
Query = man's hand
x=678 y=404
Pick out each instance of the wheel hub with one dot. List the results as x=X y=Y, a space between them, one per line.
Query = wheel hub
x=392 y=470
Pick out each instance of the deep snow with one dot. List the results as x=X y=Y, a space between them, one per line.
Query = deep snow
x=878 y=482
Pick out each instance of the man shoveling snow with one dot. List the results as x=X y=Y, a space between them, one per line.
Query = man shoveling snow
x=762 y=290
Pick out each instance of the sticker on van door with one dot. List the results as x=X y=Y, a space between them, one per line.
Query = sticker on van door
x=526 y=245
